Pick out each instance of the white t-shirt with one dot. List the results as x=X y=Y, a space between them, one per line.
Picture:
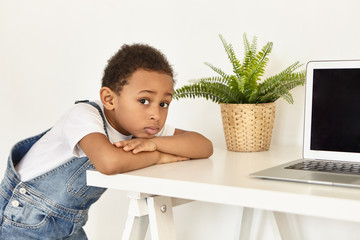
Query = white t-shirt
x=60 y=144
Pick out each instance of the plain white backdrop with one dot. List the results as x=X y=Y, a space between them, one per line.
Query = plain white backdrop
x=54 y=52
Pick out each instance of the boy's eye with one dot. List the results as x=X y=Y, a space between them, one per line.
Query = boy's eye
x=164 y=105
x=144 y=101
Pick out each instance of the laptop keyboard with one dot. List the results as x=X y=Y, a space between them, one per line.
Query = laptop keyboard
x=327 y=166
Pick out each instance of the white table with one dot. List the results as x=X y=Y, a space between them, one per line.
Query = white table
x=224 y=179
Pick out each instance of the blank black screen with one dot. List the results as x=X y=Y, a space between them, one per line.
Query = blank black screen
x=335 y=124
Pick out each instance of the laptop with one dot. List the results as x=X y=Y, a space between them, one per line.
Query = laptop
x=331 y=147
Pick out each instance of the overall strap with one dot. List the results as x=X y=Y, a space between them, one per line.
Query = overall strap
x=95 y=105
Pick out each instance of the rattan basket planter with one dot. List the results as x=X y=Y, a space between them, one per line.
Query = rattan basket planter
x=248 y=127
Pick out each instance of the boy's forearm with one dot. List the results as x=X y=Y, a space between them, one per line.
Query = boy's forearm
x=187 y=144
x=119 y=161
x=109 y=159
x=128 y=161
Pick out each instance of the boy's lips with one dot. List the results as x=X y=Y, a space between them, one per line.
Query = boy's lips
x=151 y=130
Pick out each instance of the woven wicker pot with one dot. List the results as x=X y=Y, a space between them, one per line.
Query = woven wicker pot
x=248 y=127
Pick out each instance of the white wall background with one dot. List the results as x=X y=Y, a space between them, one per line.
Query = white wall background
x=54 y=52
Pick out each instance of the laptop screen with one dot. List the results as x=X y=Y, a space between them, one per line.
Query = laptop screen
x=332 y=110
x=335 y=124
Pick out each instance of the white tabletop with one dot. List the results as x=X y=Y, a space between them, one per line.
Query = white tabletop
x=224 y=178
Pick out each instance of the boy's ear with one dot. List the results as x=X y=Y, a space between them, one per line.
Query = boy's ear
x=107 y=97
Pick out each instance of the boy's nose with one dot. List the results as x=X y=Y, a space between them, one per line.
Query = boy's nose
x=154 y=113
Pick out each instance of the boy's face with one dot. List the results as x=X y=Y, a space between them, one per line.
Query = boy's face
x=141 y=108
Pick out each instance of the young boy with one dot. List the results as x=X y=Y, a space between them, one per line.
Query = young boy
x=44 y=193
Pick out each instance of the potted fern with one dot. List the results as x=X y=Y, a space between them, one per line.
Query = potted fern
x=247 y=102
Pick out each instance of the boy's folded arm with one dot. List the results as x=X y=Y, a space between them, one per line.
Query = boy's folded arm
x=109 y=159
x=185 y=143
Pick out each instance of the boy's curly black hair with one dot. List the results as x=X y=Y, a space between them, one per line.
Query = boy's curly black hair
x=131 y=58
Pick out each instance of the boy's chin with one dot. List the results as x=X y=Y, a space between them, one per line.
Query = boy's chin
x=146 y=136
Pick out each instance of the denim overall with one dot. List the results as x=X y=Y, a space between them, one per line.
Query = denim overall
x=51 y=206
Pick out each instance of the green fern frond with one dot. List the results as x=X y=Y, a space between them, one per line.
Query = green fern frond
x=250 y=54
x=254 y=96
x=259 y=63
x=217 y=70
x=241 y=83
x=256 y=70
x=245 y=85
x=254 y=47
x=283 y=78
x=288 y=97
x=232 y=57
x=279 y=86
x=246 y=43
x=291 y=68
x=216 y=79
x=280 y=91
x=214 y=91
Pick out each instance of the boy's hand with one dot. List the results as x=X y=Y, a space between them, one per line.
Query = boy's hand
x=137 y=145
x=169 y=158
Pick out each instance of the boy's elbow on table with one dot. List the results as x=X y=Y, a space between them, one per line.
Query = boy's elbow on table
x=207 y=151
x=210 y=149
x=109 y=168
x=110 y=164
x=207 y=148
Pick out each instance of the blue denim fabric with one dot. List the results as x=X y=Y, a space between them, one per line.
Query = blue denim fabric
x=52 y=206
